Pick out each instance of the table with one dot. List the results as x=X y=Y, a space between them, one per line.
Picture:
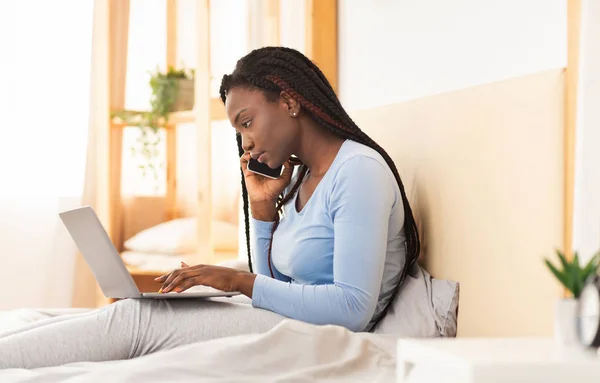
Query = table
x=491 y=360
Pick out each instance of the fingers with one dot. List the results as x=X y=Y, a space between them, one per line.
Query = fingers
x=244 y=161
x=180 y=279
x=186 y=284
x=163 y=278
x=174 y=284
x=288 y=170
x=171 y=276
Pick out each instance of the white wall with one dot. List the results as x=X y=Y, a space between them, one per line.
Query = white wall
x=586 y=220
x=391 y=51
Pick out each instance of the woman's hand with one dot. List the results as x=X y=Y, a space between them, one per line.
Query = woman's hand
x=263 y=189
x=220 y=278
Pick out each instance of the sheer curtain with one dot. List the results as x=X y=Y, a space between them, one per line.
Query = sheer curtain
x=46 y=54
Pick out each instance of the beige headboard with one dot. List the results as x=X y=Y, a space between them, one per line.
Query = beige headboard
x=483 y=168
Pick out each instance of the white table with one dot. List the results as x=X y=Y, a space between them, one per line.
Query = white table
x=491 y=360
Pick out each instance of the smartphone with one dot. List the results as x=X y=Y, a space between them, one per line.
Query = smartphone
x=262 y=169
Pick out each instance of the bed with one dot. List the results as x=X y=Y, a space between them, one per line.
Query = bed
x=291 y=351
x=460 y=238
x=319 y=353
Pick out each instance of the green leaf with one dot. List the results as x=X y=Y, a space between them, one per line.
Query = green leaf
x=575 y=275
x=591 y=267
x=563 y=260
x=562 y=277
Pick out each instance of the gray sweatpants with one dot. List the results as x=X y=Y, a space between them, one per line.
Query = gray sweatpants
x=130 y=328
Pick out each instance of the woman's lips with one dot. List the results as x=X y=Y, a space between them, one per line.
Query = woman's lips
x=256 y=155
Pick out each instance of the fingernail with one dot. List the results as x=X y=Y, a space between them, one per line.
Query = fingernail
x=160 y=291
x=177 y=290
x=157 y=278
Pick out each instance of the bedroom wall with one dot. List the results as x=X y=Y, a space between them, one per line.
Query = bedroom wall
x=392 y=51
x=442 y=56
x=482 y=168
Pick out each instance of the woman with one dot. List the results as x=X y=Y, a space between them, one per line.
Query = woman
x=331 y=247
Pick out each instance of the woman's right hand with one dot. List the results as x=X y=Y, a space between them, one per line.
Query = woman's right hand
x=263 y=191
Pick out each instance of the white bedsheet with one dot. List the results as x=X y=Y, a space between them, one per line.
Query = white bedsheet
x=292 y=351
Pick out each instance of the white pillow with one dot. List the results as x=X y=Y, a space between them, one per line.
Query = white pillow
x=177 y=236
x=425 y=307
x=180 y=236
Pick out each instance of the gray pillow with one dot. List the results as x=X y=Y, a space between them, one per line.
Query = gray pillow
x=425 y=307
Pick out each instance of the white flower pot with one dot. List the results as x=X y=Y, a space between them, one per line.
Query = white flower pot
x=565 y=321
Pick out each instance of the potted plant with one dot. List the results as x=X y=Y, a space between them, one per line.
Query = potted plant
x=172 y=91
x=572 y=276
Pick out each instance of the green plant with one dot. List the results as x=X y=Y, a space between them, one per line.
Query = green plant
x=572 y=275
x=165 y=89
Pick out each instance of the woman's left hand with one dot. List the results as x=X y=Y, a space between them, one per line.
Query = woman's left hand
x=220 y=278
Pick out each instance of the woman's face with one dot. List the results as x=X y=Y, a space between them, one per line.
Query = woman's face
x=268 y=128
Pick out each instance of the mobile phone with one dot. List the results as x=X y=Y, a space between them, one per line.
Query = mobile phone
x=262 y=169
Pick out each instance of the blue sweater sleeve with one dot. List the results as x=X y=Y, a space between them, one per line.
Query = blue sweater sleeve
x=360 y=204
x=260 y=235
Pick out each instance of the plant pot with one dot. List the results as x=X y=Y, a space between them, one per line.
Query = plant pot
x=185 y=96
x=565 y=321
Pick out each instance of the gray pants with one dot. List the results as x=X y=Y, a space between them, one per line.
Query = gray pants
x=129 y=328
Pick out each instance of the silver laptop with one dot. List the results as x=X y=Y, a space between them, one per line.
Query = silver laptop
x=107 y=265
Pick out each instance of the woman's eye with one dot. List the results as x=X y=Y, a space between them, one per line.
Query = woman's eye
x=247 y=124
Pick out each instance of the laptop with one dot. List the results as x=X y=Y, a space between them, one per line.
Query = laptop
x=108 y=267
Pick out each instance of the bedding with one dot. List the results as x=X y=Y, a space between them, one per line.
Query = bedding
x=157 y=261
x=425 y=307
x=180 y=236
x=292 y=351
x=168 y=262
x=176 y=236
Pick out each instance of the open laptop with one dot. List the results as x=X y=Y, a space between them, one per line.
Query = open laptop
x=108 y=267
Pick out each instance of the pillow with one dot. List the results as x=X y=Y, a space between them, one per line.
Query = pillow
x=180 y=236
x=425 y=307
x=177 y=236
x=156 y=261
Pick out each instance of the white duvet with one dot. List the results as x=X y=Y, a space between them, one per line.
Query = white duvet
x=293 y=351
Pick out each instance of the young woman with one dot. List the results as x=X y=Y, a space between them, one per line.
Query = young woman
x=331 y=241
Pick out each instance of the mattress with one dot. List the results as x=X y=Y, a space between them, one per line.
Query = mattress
x=157 y=261
x=168 y=262
x=292 y=351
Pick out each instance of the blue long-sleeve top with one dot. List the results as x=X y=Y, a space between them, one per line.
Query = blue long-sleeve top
x=338 y=259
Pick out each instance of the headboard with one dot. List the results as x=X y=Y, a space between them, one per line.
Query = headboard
x=483 y=168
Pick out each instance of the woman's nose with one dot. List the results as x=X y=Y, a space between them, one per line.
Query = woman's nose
x=247 y=145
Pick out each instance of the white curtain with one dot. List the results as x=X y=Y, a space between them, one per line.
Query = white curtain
x=45 y=76
x=586 y=220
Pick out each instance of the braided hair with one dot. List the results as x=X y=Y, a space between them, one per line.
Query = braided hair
x=277 y=69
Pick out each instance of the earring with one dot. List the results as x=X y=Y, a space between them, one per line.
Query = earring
x=294 y=114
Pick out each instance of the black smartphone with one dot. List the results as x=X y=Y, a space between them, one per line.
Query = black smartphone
x=262 y=169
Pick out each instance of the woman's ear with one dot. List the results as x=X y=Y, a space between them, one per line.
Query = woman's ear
x=293 y=106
